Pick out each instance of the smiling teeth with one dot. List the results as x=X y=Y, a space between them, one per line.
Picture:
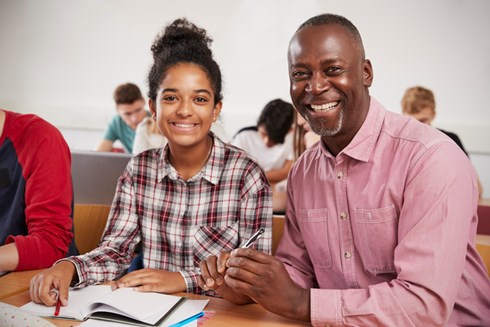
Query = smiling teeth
x=324 y=107
x=184 y=125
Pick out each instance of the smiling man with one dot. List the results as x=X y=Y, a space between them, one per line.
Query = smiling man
x=380 y=228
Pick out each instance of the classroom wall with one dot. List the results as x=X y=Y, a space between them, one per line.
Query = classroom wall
x=62 y=59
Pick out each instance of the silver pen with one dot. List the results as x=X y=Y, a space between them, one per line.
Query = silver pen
x=254 y=238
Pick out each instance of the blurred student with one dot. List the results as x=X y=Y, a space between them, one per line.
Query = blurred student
x=192 y=199
x=130 y=107
x=148 y=136
x=419 y=102
x=36 y=194
x=270 y=142
x=304 y=137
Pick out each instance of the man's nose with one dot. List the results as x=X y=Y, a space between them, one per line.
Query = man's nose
x=318 y=84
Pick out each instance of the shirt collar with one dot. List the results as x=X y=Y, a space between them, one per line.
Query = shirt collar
x=211 y=171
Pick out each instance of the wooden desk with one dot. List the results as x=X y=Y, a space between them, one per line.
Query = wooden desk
x=222 y=313
x=16 y=282
x=483 y=248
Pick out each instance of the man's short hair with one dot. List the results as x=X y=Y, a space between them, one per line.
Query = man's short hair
x=127 y=94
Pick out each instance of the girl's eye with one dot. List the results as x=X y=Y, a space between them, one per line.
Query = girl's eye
x=169 y=98
x=201 y=99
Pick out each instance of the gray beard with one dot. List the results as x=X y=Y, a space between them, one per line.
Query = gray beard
x=321 y=130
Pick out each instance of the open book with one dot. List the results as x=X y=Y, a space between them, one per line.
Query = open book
x=122 y=305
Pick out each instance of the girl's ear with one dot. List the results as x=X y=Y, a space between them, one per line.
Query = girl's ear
x=217 y=110
x=153 y=109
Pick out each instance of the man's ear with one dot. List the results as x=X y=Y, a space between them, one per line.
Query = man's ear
x=367 y=69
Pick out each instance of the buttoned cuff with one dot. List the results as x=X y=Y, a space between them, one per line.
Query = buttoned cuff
x=190 y=281
x=325 y=307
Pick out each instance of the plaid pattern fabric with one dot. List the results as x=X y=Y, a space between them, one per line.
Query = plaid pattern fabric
x=180 y=223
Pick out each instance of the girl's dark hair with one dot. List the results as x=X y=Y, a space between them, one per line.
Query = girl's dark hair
x=183 y=42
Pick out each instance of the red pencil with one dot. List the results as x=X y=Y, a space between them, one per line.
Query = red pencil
x=58 y=306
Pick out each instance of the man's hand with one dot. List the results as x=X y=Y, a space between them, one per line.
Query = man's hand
x=264 y=279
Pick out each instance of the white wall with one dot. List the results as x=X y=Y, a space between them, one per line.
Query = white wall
x=62 y=59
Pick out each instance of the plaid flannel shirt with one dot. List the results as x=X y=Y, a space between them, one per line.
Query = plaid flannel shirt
x=180 y=223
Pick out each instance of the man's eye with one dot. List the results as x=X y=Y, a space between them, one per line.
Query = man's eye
x=333 y=70
x=298 y=75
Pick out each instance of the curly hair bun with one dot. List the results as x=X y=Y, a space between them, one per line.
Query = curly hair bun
x=182 y=36
x=183 y=42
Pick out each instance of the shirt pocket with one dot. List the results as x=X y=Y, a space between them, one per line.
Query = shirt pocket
x=314 y=228
x=376 y=233
x=211 y=240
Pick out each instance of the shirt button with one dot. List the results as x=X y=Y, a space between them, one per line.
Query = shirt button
x=340 y=175
x=347 y=255
x=343 y=216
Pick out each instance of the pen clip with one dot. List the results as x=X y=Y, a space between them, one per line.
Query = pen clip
x=254 y=238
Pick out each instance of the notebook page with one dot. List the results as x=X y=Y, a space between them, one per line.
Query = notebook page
x=78 y=299
x=188 y=309
x=143 y=306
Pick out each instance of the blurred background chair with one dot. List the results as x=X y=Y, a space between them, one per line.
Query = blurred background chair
x=89 y=223
x=483 y=220
x=277 y=231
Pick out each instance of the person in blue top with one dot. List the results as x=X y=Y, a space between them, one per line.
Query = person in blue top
x=130 y=107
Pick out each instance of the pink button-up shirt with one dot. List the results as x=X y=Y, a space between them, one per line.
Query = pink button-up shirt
x=384 y=233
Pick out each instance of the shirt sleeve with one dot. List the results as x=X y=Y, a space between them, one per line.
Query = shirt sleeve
x=289 y=143
x=434 y=230
x=292 y=250
x=110 y=133
x=121 y=235
x=141 y=142
x=255 y=213
x=237 y=141
x=48 y=198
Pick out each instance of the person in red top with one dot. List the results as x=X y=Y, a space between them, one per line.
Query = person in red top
x=36 y=193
